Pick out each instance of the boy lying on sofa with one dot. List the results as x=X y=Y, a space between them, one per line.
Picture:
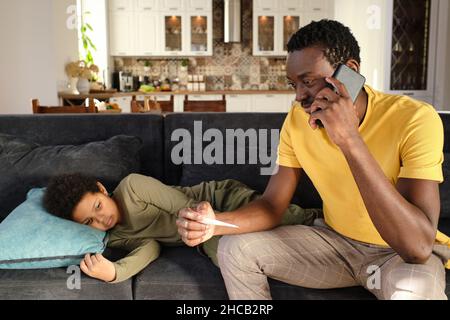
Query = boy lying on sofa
x=141 y=213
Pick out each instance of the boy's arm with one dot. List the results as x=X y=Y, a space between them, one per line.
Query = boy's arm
x=142 y=253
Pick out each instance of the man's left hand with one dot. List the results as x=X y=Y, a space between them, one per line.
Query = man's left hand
x=337 y=113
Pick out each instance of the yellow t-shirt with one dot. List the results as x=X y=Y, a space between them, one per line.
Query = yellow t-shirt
x=405 y=136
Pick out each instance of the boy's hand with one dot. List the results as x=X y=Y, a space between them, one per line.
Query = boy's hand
x=191 y=230
x=97 y=266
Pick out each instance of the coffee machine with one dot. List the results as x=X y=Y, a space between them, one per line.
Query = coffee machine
x=126 y=81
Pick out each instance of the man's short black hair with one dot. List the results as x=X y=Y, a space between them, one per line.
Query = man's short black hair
x=64 y=192
x=337 y=41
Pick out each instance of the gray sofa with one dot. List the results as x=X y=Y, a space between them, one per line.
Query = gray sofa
x=180 y=273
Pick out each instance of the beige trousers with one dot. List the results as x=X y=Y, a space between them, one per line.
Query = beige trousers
x=318 y=257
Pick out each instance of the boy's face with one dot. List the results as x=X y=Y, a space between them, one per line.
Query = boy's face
x=97 y=210
x=306 y=73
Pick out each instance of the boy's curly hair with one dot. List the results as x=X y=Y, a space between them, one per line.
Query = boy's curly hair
x=64 y=192
x=337 y=41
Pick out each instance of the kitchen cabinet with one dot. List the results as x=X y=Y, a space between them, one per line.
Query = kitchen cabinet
x=173 y=30
x=147 y=5
x=274 y=22
x=123 y=102
x=265 y=5
x=160 y=28
x=121 y=26
x=172 y=5
x=271 y=102
x=147 y=44
x=199 y=6
x=239 y=103
x=412 y=49
x=259 y=102
x=121 y=5
x=199 y=35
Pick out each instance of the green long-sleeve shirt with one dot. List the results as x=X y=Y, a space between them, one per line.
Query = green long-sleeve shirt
x=149 y=210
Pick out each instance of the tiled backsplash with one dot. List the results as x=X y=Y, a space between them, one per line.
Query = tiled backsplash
x=232 y=66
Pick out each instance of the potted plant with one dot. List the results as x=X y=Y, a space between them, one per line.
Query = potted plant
x=147 y=66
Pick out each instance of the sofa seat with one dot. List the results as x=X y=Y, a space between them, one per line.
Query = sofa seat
x=51 y=284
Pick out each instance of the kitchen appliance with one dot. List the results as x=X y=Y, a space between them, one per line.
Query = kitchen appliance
x=126 y=81
x=232 y=28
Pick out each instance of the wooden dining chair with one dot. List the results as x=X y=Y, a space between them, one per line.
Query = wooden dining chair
x=153 y=104
x=37 y=108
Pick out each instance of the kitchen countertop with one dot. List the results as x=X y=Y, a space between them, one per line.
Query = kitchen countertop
x=126 y=94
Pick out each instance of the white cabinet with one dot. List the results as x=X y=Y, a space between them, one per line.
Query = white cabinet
x=199 y=34
x=123 y=102
x=265 y=5
x=148 y=26
x=199 y=5
x=274 y=22
x=172 y=5
x=259 y=102
x=270 y=103
x=160 y=27
x=293 y=5
x=121 y=5
x=122 y=37
x=173 y=35
x=239 y=103
x=147 y=5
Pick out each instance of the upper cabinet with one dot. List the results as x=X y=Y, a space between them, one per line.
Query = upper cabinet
x=160 y=27
x=172 y=5
x=275 y=21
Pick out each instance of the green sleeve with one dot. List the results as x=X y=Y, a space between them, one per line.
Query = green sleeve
x=142 y=253
x=149 y=191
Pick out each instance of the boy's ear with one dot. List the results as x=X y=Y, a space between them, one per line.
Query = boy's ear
x=102 y=188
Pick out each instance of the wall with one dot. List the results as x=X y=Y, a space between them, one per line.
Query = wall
x=65 y=38
x=367 y=20
x=35 y=45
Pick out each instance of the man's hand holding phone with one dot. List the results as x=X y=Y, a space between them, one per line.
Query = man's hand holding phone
x=336 y=111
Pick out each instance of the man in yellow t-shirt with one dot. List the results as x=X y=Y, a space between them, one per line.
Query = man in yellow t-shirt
x=377 y=166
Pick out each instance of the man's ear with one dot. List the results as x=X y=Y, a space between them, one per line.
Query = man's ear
x=102 y=188
x=353 y=64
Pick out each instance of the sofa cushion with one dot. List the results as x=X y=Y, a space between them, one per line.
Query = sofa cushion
x=31 y=238
x=26 y=164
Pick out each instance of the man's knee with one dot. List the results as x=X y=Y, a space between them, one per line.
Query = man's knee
x=415 y=284
x=235 y=248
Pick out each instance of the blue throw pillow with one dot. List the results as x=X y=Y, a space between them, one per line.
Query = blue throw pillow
x=31 y=238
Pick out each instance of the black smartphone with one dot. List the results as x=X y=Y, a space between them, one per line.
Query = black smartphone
x=352 y=80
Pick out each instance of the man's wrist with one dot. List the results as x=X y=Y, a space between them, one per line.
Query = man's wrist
x=351 y=143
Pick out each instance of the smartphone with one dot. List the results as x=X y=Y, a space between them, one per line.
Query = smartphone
x=352 y=80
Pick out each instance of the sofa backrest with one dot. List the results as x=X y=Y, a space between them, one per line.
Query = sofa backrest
x=445 y=187
x=214 y=134
x=51 y=130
